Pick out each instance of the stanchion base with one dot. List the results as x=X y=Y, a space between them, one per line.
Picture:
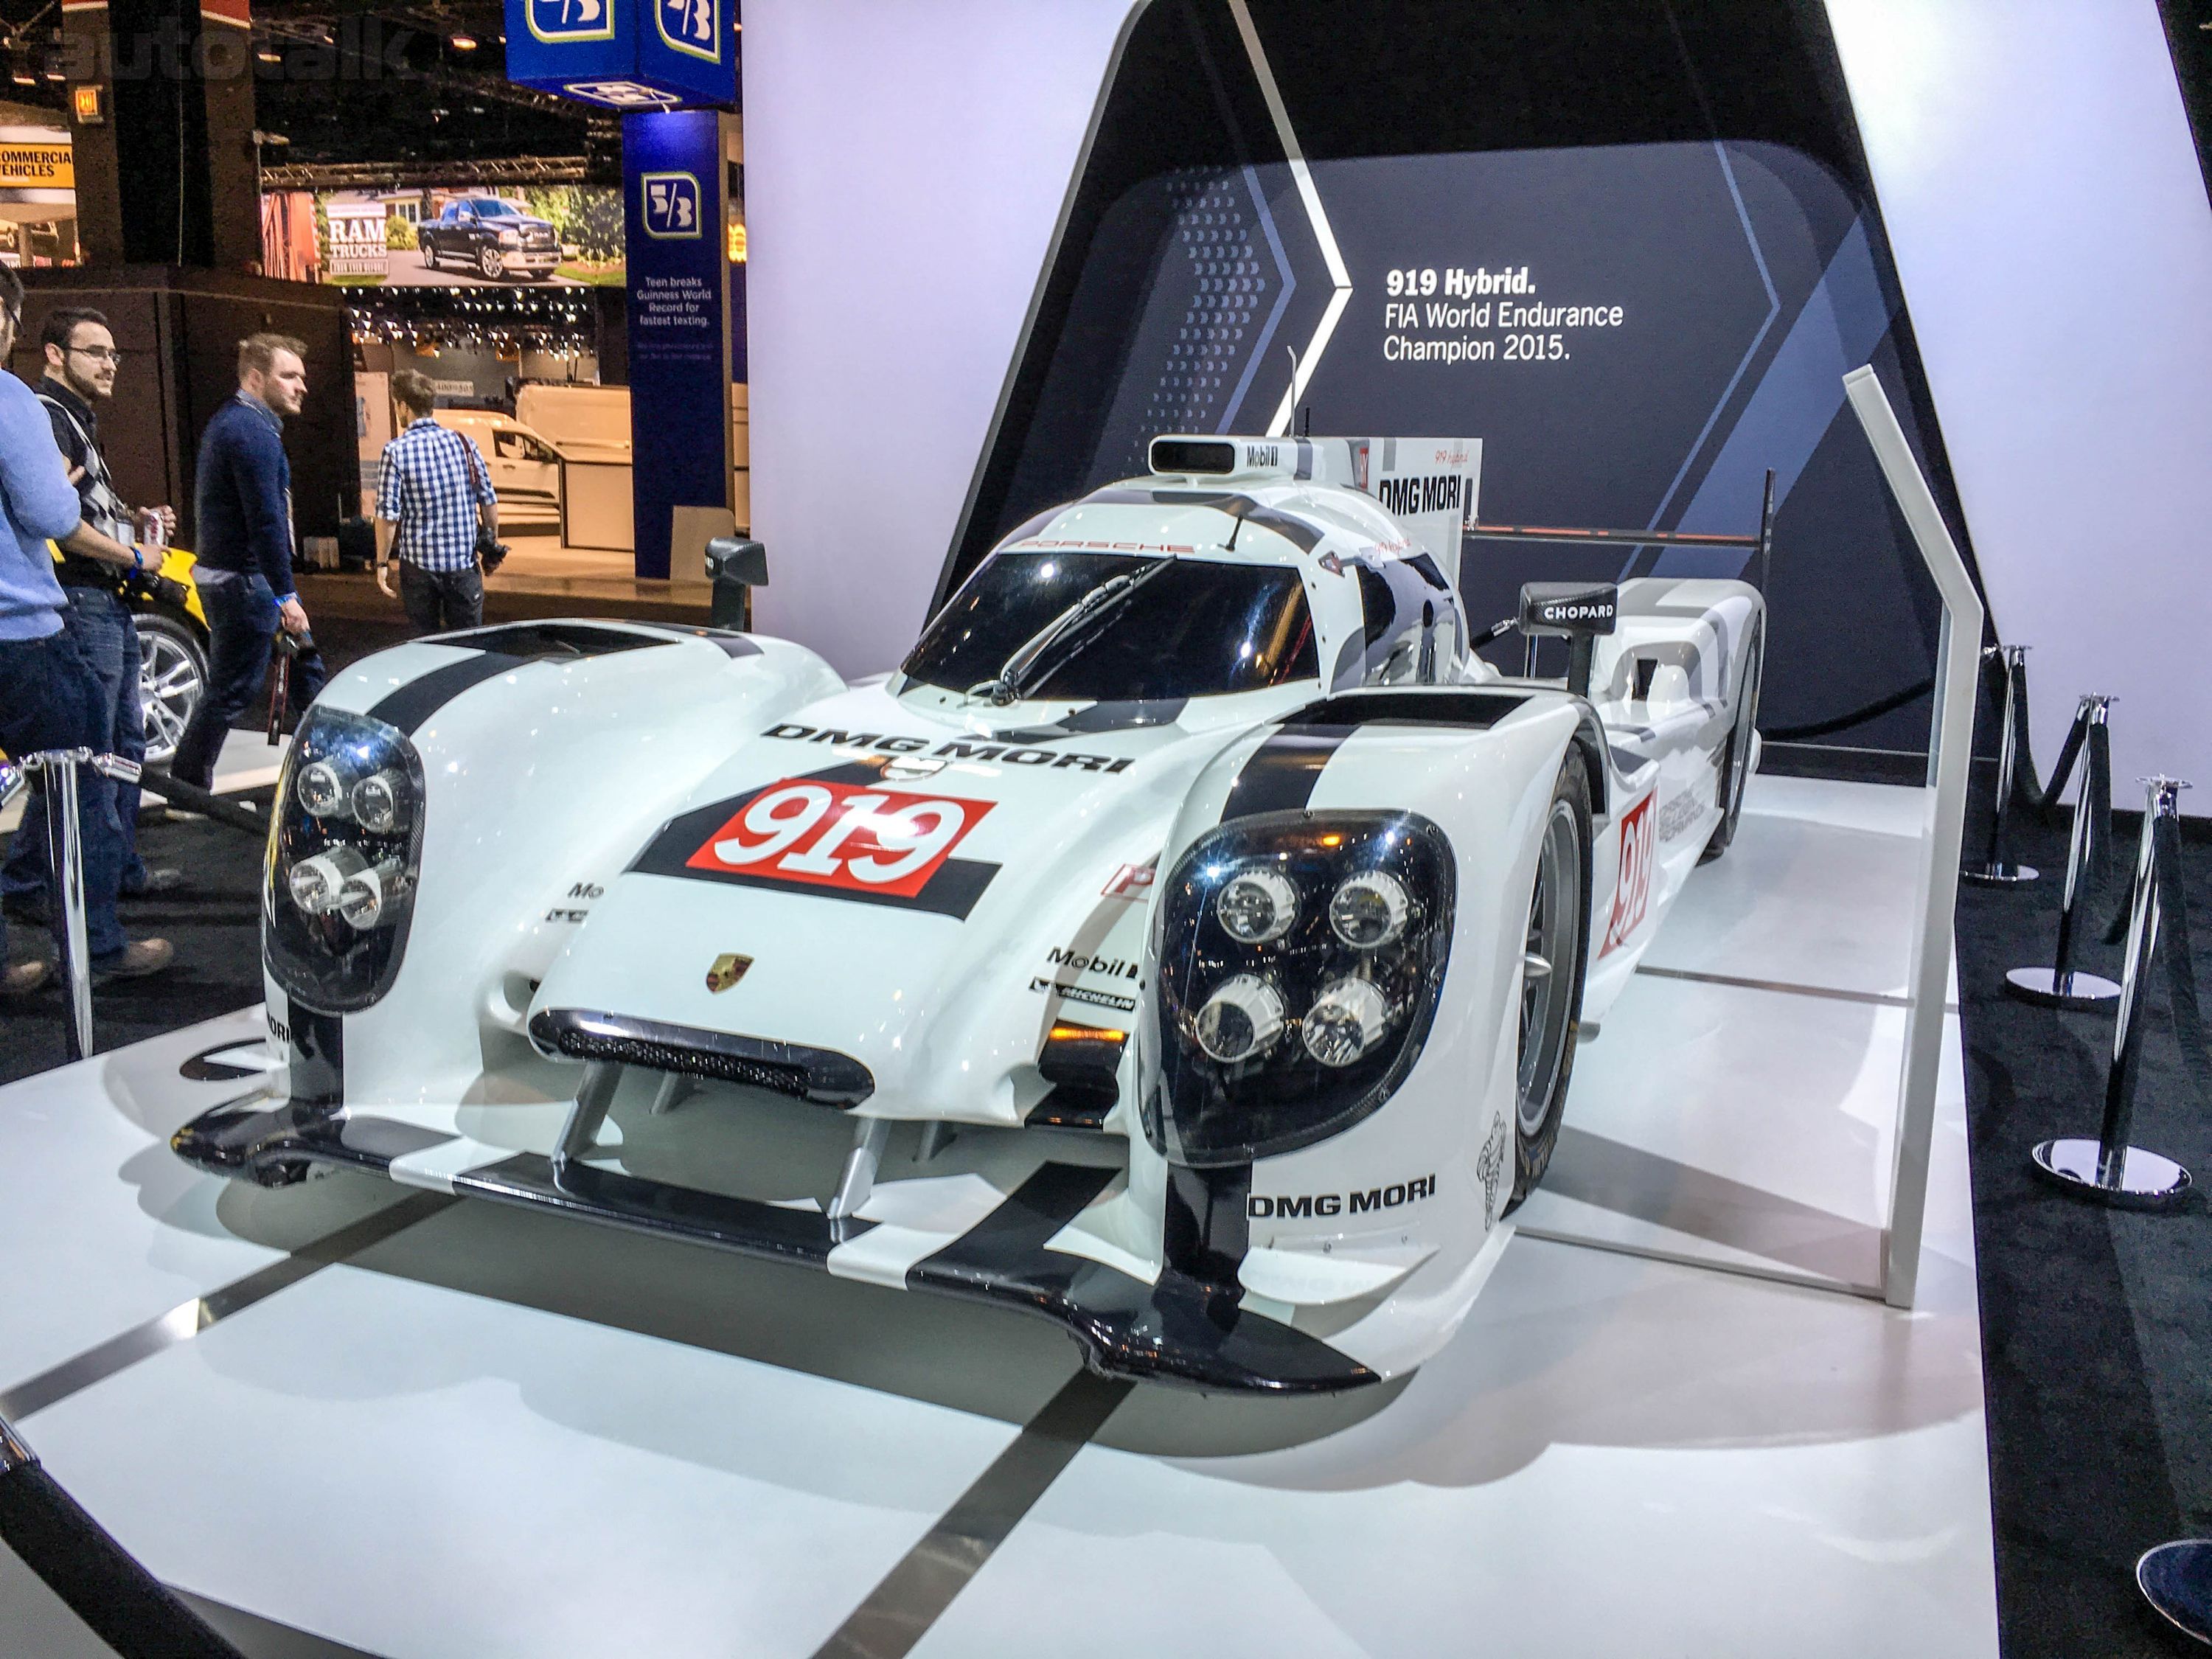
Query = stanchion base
x=2147 y=1182
x=1999 y=875
x=2040 y=986
x=2176 y=1579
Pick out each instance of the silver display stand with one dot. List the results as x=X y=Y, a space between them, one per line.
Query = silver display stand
x=1993 y=871
x=58 y=768
x=2108 y=1170
x=2062 y=985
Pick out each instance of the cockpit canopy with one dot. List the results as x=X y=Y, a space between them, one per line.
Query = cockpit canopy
x=1196 y=627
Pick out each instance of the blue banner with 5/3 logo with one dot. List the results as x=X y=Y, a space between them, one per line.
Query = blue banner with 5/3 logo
x=625 y=54
x=674 y=174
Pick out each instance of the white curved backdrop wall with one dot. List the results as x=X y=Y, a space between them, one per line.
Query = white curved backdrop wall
x=2051 y=230
x=905 y=165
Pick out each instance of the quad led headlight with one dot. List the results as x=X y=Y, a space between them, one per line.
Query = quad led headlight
x=377 y=802
x=1300 y=958
x=1369 y=910
x=1240 y=1020
x=1257 y=904
x=324 y=786
x=345 y=852
x=316 y=883
x=1345 y=1021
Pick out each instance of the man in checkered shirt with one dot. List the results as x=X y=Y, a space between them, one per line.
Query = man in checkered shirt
x=432 y=490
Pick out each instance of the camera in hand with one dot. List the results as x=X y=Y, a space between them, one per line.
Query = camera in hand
x=155 y=589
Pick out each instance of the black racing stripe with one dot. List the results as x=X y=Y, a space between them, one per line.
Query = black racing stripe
x=317 y=1050
x=1176 y=1331
x=1011 y=1239
x=1205 y=1231
x=1297 y=531
x=1280 y=773
x=1454 y=706
x=425 y=694
x=729 y=641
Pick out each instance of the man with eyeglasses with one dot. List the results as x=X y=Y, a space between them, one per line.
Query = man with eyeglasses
x=96 y=561
x=50 y=697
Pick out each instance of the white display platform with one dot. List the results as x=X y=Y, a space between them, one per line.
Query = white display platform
x=499 y=1433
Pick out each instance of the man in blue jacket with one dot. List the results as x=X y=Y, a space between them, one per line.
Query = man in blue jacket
x=244 y=499
x=50 y=696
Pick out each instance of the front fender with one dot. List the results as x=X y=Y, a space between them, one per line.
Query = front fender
x=542 y=776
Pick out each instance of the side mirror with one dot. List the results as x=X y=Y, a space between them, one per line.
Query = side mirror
x=735 y=566
x=735 y=559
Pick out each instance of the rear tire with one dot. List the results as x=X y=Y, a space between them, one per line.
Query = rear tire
x=1555 y=952
x=1736 y=754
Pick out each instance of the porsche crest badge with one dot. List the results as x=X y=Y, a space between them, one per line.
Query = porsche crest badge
x=727 y=971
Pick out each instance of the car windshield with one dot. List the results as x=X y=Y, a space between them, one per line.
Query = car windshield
x=1197 y=628
x=498 y=211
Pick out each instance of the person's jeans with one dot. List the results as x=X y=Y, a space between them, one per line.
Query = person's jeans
x=101 y=625
x=440 y=601
x=242 y=614
x=51 y=698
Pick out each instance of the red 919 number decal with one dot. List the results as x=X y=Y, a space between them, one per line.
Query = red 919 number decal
x=835 y=835
x=1631 y=894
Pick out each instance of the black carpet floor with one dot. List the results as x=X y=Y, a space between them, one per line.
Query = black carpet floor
x=2096 y=1324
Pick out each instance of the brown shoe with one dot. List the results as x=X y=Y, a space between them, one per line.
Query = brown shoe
x=137 y=960
x=22 y=978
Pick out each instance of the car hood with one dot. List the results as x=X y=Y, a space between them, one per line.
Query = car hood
x=897 y=881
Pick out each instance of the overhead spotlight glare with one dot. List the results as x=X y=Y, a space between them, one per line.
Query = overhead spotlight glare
x=23 y=77
x=464 y=43
x=268 y=56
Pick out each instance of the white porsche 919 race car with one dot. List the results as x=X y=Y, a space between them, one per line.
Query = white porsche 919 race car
x=1188 y=944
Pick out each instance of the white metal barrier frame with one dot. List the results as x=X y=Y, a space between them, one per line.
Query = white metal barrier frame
x=1950 y=754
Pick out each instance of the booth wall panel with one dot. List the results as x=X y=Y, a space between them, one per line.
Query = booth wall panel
x=905 y=168
x=2050 y=225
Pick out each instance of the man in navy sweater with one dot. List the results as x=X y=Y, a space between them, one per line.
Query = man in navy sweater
x=244 y=575
x=50 y=696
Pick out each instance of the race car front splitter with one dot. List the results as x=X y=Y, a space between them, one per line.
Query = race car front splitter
x=1176 y=1330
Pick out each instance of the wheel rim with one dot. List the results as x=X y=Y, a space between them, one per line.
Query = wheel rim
x=490 y=263
x=169 y=685
x=1548 y=965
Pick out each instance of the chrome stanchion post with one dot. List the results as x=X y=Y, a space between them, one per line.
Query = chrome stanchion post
x=2108 y=1168
x=59 y=767
x=1993 y=871
x=2063 y=985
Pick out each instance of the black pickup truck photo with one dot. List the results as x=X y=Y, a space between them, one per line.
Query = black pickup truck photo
x=490 y=238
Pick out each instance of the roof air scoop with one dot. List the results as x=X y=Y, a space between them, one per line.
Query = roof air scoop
x=1193 y=455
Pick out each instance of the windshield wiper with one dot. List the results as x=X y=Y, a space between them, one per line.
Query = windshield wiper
x=1022 y=670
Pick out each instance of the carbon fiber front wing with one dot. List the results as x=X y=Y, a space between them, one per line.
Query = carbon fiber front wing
x=1177 y=1330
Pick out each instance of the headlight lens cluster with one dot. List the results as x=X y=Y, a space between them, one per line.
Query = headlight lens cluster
x=344 y=852
x=1300 y=959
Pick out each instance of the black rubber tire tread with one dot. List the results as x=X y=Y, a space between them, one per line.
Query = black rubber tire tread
x=1532 y=1154
x=1747 y=722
